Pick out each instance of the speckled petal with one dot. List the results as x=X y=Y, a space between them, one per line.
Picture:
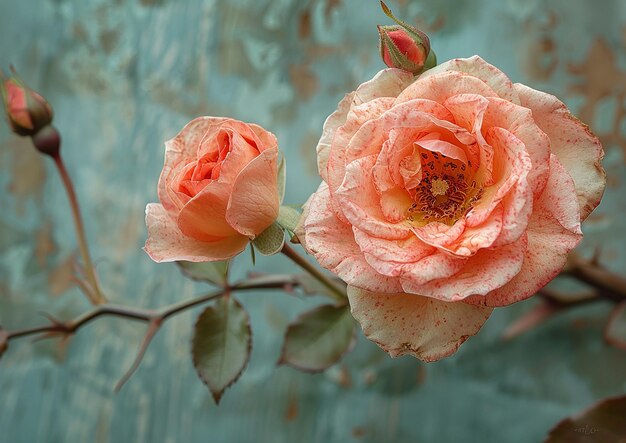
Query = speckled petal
x=479 y=68
x=520 y=122
x=332 y=243
x=167 y=243
x=485 y=271
x=423 y=327
x=360 y=203
x=578 y=150
x=553 y=231
x=441 y=86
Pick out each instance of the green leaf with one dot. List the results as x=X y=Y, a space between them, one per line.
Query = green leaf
x=215 y=272
x=615 y=330
x=270 y=241
x=288 y=218
x=4 y=341
x=319 y=338
x=221 y=344
x=603 y=422
x=282 y=177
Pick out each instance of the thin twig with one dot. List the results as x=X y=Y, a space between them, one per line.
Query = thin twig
x=154 y=318
x=608 y=284
x=153 y=328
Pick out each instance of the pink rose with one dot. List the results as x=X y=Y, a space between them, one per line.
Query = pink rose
x=218 y=190
x=446 y=196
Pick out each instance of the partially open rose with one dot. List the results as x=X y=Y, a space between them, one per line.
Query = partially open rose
x=446 y=196
x=218 y=190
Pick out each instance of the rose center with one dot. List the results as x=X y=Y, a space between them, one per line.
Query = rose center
x=446 y=191
x=439 y=187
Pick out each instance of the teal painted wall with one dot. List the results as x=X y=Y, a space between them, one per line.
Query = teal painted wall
x=125 y=75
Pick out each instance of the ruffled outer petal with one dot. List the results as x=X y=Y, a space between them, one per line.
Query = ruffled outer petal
x=167 y=243
x=332 y=243
x=479 y=68
x=553 y=231
x=485 y=271
x=423 y=327
x=386 y=83
x=578 y=150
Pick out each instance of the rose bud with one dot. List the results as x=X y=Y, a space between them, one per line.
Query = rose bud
x=27 y=111
x=218 y=190
x=404 y=47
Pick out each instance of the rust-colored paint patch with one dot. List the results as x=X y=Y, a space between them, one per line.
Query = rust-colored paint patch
x=28 y=172
x=600 y=78
x=539 y=58
x=304 y=25
x=108 y=40
x=128 y=236
x=304 y=80
x=62 y=277
x=292 y=409
x=307 y=149
x=45 y=245
x=359 y=432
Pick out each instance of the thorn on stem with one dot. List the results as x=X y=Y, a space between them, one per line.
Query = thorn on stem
x=153 y=328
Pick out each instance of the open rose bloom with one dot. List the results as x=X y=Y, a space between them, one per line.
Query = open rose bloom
x=445 y=196
x=218 y=190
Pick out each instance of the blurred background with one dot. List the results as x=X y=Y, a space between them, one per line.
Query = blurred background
x=125 y=75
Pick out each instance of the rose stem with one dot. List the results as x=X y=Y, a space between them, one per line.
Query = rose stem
x=95 y=296
x=337 y=292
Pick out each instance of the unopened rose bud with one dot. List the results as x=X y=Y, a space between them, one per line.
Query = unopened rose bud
x=27 y=111
x=404 y=47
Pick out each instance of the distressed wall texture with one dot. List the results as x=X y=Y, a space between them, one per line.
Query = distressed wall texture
x=125 y=75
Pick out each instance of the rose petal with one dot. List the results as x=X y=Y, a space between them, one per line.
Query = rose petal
x=204 y=216
x=440 y=86
x=254 y=199
x=240 y=153
x=553 y=231
x=439 y=234
x=520 y=122
x=360 y=203
x=167 y=243
x=479 y=68
x=511 y=190
x=485 y=271
x=432 y=266
x=578 y=150
x=179 y=150
x=423 y=327
x=332 y=243
x=406 y=250
x=357 y=117
x=386 y=83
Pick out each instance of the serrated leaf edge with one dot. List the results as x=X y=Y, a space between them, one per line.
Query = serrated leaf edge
x=217 y=395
